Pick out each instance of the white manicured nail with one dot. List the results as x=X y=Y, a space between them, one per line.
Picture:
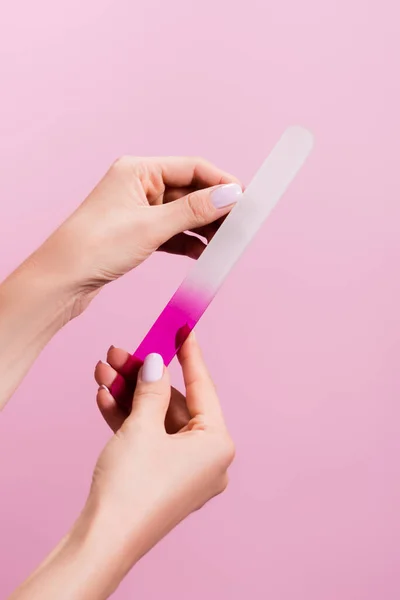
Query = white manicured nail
x=153 y=368
x=224 y=195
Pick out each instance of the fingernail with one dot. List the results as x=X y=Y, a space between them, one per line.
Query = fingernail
x=153 y=368
x=224 y=195
x=104 y=387
x=101 y=362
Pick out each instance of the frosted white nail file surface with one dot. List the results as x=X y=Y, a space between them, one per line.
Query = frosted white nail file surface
x=260 y=197
x=209 y=272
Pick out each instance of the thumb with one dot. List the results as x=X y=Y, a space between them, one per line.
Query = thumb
x=194 y=210
x=152 y=393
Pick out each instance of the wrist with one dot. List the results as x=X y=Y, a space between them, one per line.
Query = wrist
x=83 y=566
x=57 y=268
x=105 y=549
x=34 y=304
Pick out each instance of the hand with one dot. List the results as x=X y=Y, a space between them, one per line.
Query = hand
x=145 y=481
x=141 y=205
x=115 y=414
x=147 y=478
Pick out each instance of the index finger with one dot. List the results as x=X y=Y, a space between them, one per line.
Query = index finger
x=192 y=171
x=201 y=395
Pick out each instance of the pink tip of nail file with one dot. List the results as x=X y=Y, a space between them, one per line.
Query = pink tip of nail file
x=205 y=278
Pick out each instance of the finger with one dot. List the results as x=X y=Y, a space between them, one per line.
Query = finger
x=104 y=374
x=192 y=211
x=121 y=361
x=117 y=357
x=206 y=232
x=152 y=393
x=172 y=194
x=177 y=415
x=113 y=415
x=192 y=171
x=201 y=396
x=183 y=244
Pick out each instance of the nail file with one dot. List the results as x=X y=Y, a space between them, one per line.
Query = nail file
x=203 y=281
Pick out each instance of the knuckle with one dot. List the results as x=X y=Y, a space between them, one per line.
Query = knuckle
x=198 y=423
x=143 y=395
x=200 y=160
x=195 y=159
x=228 y=451
x=224 y=482
x=199 y=206
x=124 y=163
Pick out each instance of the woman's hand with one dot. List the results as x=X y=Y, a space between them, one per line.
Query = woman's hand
x=113 y=413
x=140 y=206
x=164 y=476
x=145 y=482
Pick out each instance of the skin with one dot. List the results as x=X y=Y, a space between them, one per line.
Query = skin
x=140 y=206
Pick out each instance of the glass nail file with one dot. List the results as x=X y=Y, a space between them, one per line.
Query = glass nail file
x=205 y=278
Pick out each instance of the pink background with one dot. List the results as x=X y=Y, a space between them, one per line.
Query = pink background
x=303 y=340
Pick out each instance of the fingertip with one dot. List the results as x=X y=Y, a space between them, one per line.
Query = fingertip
x=104 y=401
x=103 y=395
x=192 y=343
x=153 y=369
x=189 y=345
x=104 y=374
x=110 y=411
x=117 y=357
x=153 y=377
